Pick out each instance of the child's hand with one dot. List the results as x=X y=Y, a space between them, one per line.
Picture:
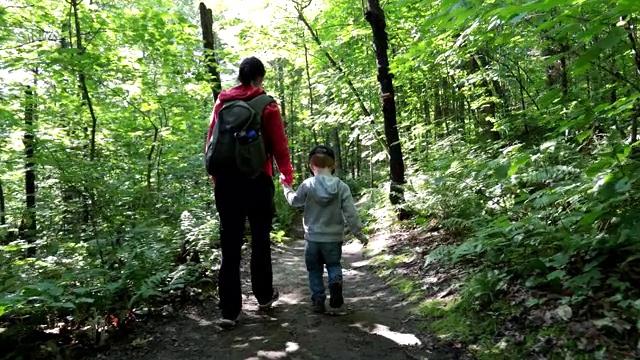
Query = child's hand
x=363 y=239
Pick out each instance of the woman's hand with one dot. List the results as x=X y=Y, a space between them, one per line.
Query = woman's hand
x=283 y=182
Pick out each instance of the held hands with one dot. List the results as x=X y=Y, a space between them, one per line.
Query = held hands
x=283 y=182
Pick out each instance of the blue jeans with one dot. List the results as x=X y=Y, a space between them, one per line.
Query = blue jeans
x=317 y=254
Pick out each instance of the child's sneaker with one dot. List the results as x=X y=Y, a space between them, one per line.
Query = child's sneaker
x=335 y=290
x=318 y=306
x=274 y=298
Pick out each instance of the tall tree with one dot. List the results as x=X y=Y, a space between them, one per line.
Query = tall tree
x=375 y=17
x=211 y=59
x=3 y=219
x=82 y=79
x=28 y=223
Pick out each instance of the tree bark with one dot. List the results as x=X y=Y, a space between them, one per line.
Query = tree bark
x=375 y=17
x=335 y=134
x=634 y=45
x=358 y=157
x=82 y=79
x=208 y=36
x=281 y=88
x=28 y=227
x=150 y=158
x=308 y=73
x=3 y=219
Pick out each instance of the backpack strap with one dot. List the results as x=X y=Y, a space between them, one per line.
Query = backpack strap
x=260 y=102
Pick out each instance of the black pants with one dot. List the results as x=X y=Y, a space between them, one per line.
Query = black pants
x=237 y=199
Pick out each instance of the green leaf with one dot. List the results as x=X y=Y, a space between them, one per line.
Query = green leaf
x=558 y=274
x=559 y=260
x=85 y=300
x=12 y=247
x=599 y=167
x=517 y=164
x=590 y=217
x=502 y=171
x=623 y=185
x=583 y=135
x=66 y=305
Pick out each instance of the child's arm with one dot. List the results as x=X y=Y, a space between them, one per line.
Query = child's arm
x=296 y=198
x=351 y=215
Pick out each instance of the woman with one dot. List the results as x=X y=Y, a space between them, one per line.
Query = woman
x=237 y=198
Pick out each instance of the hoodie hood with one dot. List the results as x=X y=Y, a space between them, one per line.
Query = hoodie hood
x=240 y=92
x=324 y=188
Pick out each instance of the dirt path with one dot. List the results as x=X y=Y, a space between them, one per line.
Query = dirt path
x=373 y=324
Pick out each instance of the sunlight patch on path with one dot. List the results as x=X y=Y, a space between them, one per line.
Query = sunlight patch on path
x=200 y=320
x=403 y=339
x=291 y=298
x=290 y=347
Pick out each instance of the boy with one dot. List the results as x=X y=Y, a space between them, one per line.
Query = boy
x=327 y=204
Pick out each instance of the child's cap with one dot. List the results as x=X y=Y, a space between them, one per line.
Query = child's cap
x=322 y=150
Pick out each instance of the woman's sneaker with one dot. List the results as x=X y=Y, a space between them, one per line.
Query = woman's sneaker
x=318 y=307
x=335 y=291
x=274 y=298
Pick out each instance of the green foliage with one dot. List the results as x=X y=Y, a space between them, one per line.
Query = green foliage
x=124 y=213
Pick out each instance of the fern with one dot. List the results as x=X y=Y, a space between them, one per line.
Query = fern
x=457 y=225
x=150 y=287
x=440 y=254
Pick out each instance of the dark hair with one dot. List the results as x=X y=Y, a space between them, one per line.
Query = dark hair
x=251 y=68
x=322 y=150
x=322 y=161
x=323 y=157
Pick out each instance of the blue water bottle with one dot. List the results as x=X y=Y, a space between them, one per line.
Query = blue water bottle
x=251 y=135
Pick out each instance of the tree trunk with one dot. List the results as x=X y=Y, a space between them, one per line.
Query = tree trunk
x=308 y=73
x=634 y=45
x=358 y=157
x=86 y=98
x=208 y=36
x=164 y=124
x=3 y=219
x=300 y=164
x=150 y=158
x=375 y=16
x=437 y=112
x=281 y=88
x=372 y=179
x=335 y=134
x=27 y=228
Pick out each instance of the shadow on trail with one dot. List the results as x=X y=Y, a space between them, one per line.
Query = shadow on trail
x=374 y=323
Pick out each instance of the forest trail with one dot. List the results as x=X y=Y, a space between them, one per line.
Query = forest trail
x=374 y=323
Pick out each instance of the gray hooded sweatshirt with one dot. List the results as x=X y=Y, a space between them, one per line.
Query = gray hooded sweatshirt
x=327 y=204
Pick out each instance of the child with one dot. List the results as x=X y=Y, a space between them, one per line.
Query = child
x=327 y=204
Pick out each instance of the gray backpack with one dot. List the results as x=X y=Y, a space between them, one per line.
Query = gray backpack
x=236 y=145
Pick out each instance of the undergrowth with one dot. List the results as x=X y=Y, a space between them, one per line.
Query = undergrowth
x=93 y=278
x=545 y=233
